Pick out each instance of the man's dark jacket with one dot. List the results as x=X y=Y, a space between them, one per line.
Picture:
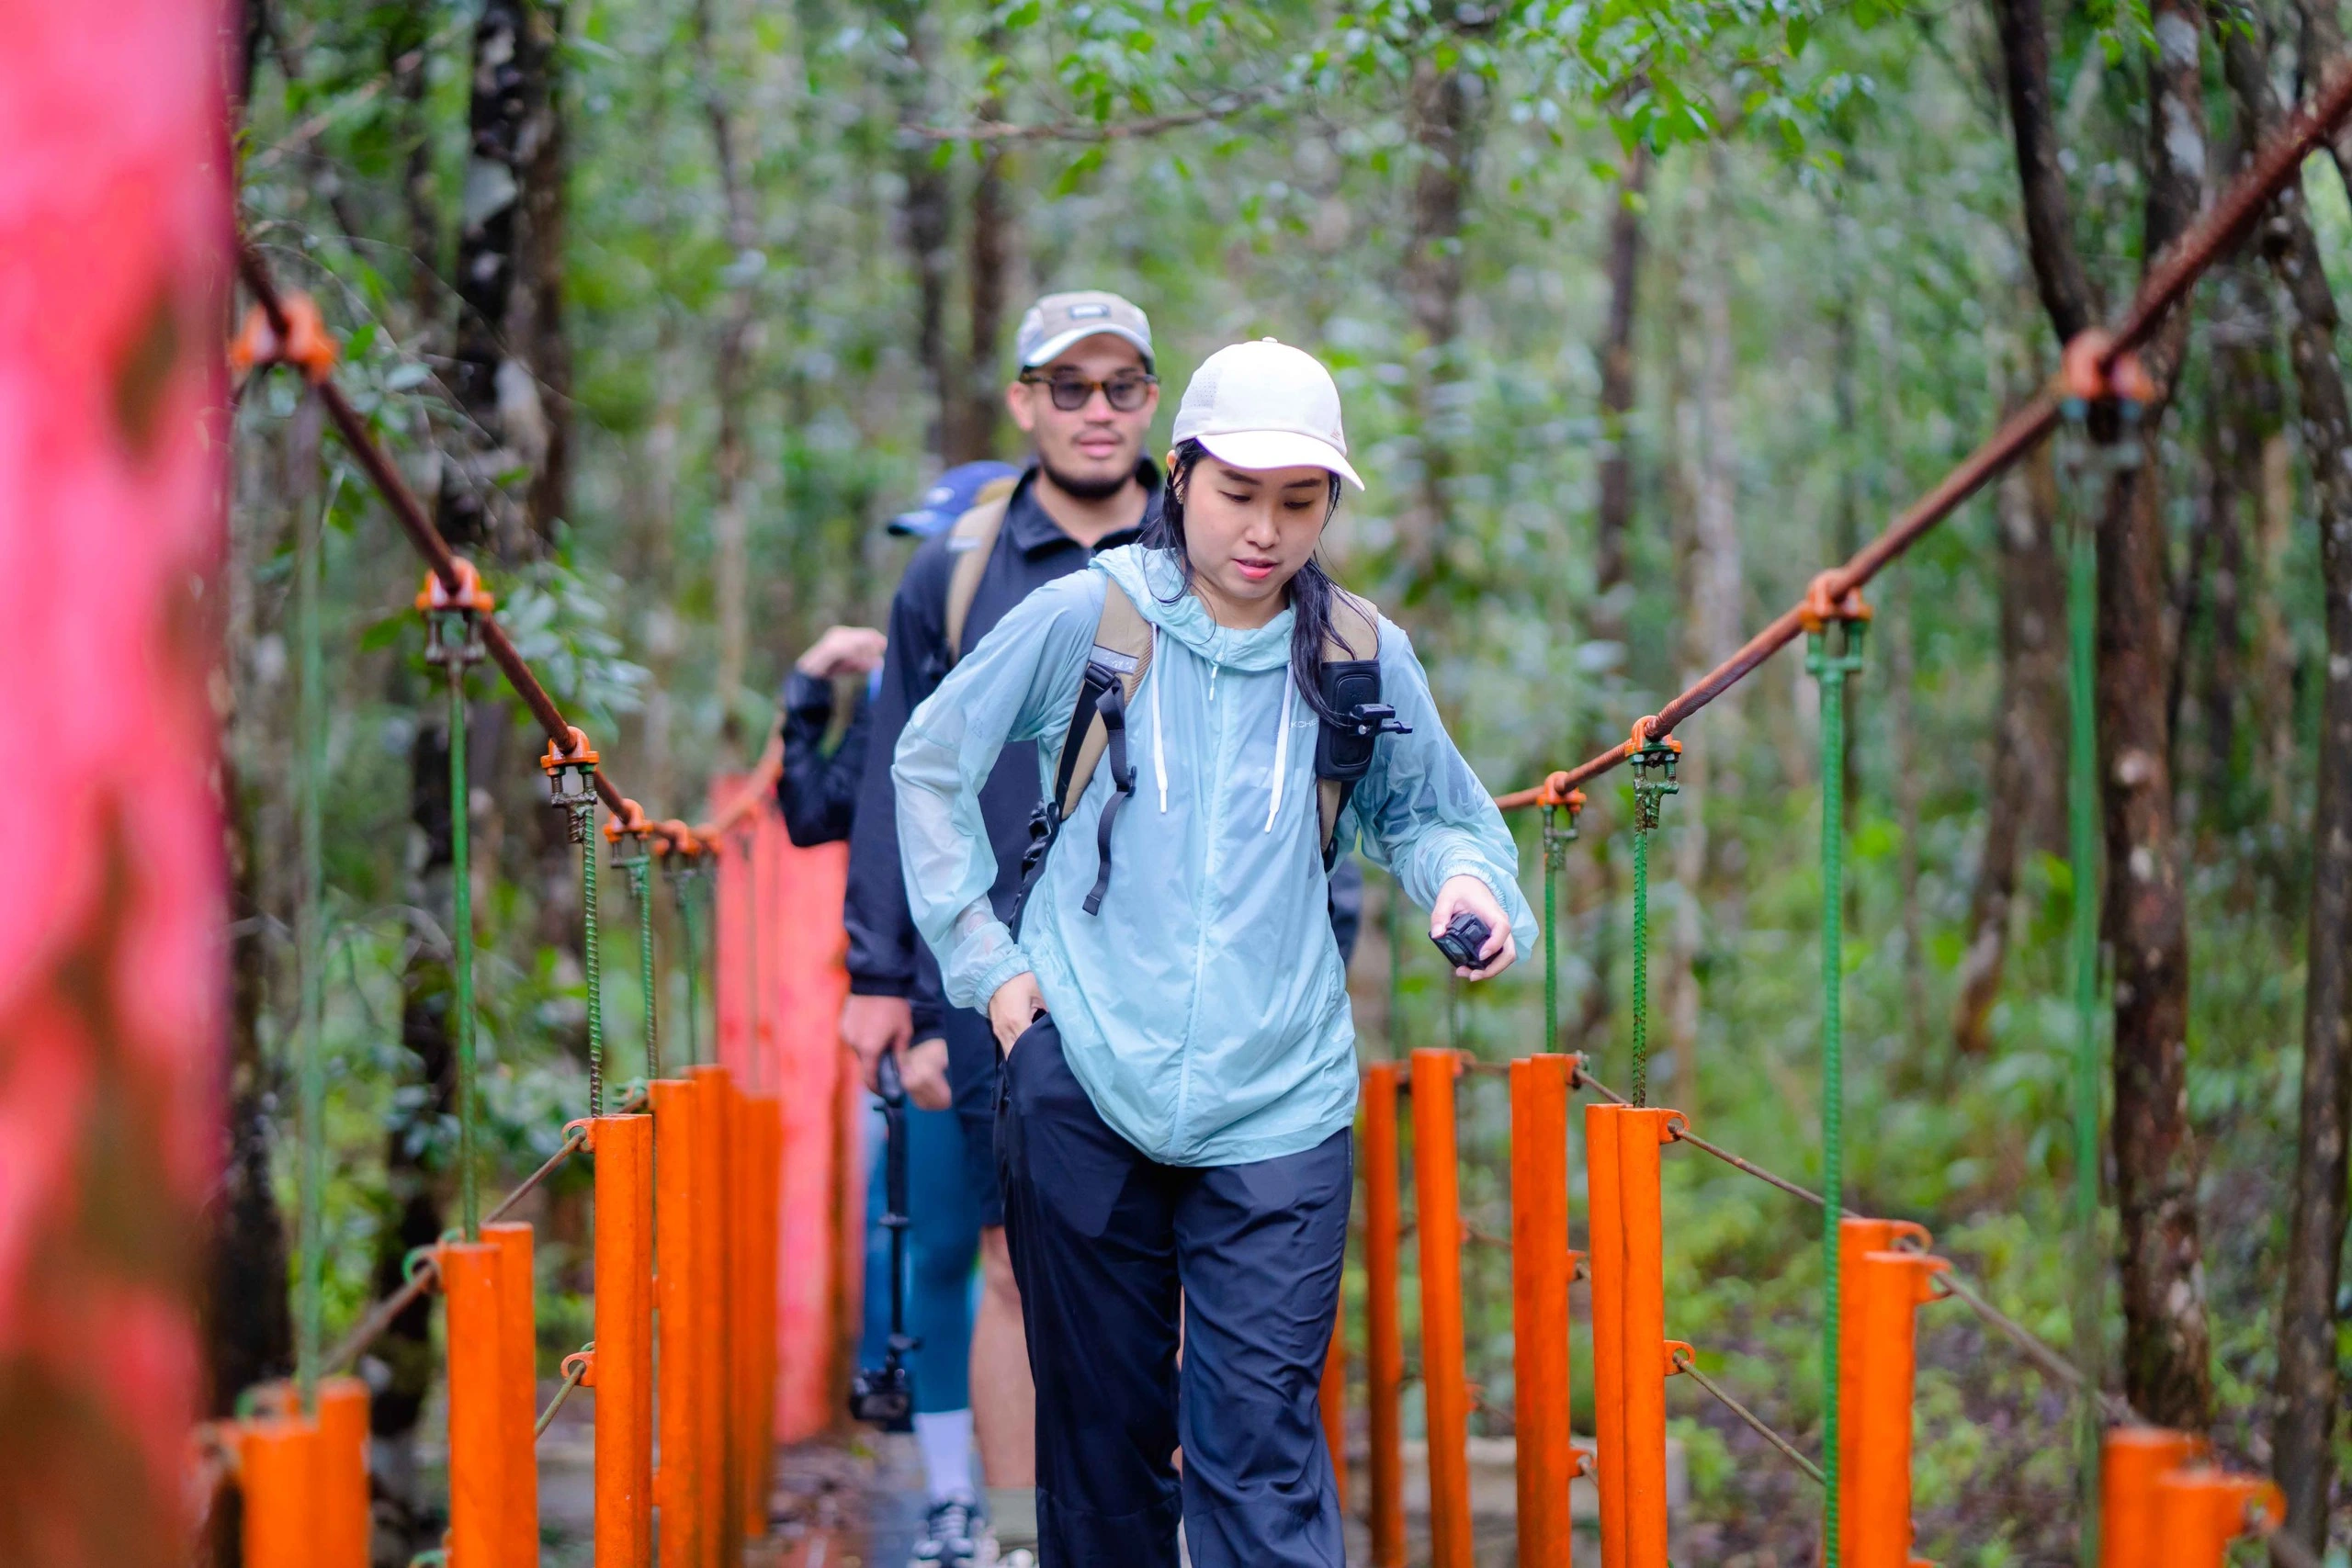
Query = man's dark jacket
x=886 y=958
x=817 y=789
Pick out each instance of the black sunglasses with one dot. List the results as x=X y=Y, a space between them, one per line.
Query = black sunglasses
x=1124 y=392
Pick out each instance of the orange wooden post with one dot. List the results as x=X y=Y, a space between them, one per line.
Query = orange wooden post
x=710 y=1288
x=1445 y=1386
x=744 y=1346
x=1638 y=1304
x=1333 y=1396
x=1857 y=1237
x=1383 y=1336
x=344 y=1515
x=621 y=1371
x=2200 y=1512
x=1605 y=1232
x=2132 y=1461
x=762 y=1144
x=518 y=1377
x=1889 y=1288
x=677 y=1193
x=279 y=1463
x=1541 y=1265
x=472 y=1274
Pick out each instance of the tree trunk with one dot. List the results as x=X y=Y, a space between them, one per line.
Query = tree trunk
x=2306 y=1392
x=2027 y=808
x=1443 y=116
x=730 y=516
x=1614 y=513
x=989 y=260
x=2166 y=1345
x=504 y=255
x=926 y=219
x=405 y=43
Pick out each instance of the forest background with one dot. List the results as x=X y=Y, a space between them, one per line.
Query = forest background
x=1642 y=314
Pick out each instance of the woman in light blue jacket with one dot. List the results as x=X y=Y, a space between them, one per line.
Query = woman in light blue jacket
x=1180 y=1075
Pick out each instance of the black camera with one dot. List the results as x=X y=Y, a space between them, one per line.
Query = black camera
x=884 y=1396
x=1463 y=938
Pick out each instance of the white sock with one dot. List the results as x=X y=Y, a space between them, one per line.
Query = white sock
x=945 y=1438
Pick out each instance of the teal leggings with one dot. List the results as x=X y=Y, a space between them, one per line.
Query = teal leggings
x=942 y=1247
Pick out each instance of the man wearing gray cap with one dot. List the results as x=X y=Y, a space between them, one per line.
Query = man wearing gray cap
x=1084 y=394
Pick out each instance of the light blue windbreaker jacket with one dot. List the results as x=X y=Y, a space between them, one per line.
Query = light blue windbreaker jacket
x=1205 y=1009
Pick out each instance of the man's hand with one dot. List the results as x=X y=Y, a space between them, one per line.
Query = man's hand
x=871 y=1025
x=842 y=650
x=1014 y=1008
x=924 y=1070
x=1468 y=894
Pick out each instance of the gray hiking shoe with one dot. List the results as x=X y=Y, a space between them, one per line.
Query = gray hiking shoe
x=946 y=1539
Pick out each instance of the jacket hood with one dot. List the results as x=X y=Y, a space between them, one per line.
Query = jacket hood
x=1153 y=580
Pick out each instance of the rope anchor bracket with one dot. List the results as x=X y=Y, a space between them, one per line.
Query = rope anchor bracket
x=1654 y=758
x=571 y=781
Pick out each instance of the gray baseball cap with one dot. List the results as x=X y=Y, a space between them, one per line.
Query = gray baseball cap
x=1057 y=321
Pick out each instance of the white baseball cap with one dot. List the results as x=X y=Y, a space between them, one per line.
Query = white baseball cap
x=1266 y=405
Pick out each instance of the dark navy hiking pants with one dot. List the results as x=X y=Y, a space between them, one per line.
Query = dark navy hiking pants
x=1107 y=1243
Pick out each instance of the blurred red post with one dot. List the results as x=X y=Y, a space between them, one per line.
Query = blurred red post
x=114 y=218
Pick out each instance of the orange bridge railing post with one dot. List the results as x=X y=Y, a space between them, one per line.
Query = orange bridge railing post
x=763 y=1116
x=1384 y=1335
x=710 y=1469
x=519 y=1394
x=1605 y=1232
x=621 y=1371
x=344 y=1519
x=2132 y=1461
x=278 y=1465
x=1889 y=1288
x=2200 y=1512
x=677 y=1193
x=1632 y=1356
x=1541 y=1265
x=1445 y=1387
x=1858 y=1238
x=473 y=1275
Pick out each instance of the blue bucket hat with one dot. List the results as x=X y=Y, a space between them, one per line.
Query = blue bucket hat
x=956 y=491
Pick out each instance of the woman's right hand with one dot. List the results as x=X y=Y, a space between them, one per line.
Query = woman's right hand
x=1016 y=1005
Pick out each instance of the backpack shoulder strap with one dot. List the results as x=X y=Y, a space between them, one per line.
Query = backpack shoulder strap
x=972 y=540
x=1122 y=653
x=1354 y=635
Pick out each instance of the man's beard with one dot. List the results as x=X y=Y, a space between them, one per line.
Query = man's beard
x=1087 y=490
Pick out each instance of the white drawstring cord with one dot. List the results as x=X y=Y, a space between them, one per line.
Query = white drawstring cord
x=1282 y=753
x=1159 y=751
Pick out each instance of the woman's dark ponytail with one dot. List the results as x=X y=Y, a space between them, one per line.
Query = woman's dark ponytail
x=1310 y=591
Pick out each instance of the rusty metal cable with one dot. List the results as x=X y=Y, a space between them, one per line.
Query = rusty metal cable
x=575 y=1367
x=1756 y=1424
x=1680 y=1132
x=2055 y=1366
x=413 y=518
x=2267 y=174
x=379 y=1317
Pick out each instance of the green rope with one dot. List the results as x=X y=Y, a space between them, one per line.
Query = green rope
x=461 y=946
x=310 y=1110
x=1552 y=850
x=1653 y=782
x=2088 y=1307
x=682 y=889
x=1396 y=917
x=639 y=866
x=1831 y=670
x=583 y=830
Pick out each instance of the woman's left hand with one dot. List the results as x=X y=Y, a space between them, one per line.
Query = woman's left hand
x=1468 y=894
